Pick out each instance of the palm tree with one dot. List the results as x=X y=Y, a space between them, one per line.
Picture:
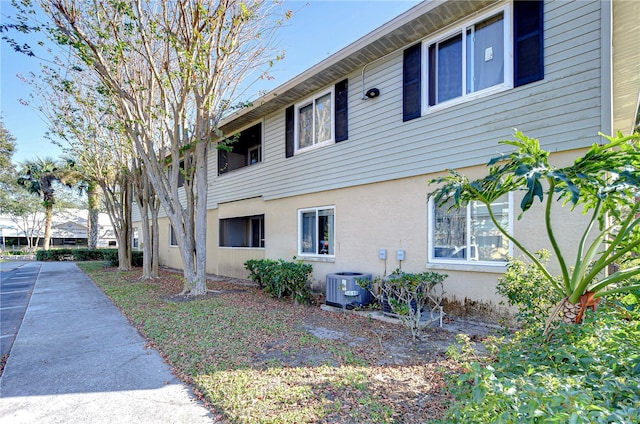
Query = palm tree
x=39 y=176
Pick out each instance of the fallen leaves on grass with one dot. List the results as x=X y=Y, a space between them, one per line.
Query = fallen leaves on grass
x=257 y=359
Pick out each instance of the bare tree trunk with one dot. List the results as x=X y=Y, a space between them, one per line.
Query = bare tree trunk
x=93 y=197
x=202 y=151
x=127 y=224
x=142 y=199
x=155 y=238
x=572 y=313
x=146 y=240
x=48 y=213
x=118 y=204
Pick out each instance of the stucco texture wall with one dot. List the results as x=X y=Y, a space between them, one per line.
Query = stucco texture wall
x=391 y=215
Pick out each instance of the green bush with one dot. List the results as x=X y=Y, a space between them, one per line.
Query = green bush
x=282 y=279
x=136 y=258
x=259 y=270
x=90 y=255
x=111 y=258
x=586 y=374
x=528 y=289
x=54 y=254
x=17 y=252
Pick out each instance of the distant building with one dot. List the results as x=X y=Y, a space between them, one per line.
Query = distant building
x=69 y=229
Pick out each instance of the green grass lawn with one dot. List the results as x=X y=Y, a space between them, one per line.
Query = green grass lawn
x=252 y=361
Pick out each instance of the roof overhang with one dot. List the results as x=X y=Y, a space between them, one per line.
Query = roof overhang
x=402 y=31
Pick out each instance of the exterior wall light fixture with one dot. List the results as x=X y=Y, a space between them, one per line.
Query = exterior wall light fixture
x=372 y=93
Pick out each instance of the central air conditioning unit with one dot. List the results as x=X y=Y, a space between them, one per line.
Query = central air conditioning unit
x=344 y=292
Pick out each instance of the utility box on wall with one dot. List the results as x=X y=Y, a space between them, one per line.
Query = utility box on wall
x=343 y=290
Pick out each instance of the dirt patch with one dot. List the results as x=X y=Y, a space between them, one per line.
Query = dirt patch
x=361 y=366
x=181 y=298
x=377 y=340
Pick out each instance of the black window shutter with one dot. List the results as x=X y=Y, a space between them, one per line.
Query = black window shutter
x=411 y=75
x=528 y=39
x=289 y=132
x=341 y=101
x=432 y=75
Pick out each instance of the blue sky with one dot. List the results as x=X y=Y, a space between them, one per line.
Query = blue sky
x=318 y=29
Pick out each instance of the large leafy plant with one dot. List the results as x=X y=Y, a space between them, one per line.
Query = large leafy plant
x=604 y=182
x=410 y=297
x=586 y=374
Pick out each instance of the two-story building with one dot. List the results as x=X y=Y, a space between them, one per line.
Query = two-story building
x=332 y=166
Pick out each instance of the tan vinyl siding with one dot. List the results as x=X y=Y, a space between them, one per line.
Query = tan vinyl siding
x=563 y=110
x=626 y=64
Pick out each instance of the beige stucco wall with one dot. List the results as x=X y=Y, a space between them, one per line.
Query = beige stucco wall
x=390 y=215
x=220 y=260
x=169 y=255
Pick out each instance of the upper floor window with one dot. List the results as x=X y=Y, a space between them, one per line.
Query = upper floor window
x=469 y=234
x=318 y=121
x=469 y=60
x=243 y=149
x=316 y=231
x=314 y=121
x=495 y=51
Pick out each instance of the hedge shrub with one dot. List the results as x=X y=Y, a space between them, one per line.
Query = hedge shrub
x=588 y=373
x=108 y=255
x=55 y=255
x=281 y=278
x=18 y=252
x=111 y=258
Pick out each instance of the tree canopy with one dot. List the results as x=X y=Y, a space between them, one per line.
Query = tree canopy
x=164 y=74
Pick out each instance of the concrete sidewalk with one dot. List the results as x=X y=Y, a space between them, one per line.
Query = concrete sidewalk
x=77 y=359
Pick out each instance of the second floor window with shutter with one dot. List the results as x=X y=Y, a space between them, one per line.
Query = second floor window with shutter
x=483 y=55
x=318 y=121
x=314 y=121
x=468 y=61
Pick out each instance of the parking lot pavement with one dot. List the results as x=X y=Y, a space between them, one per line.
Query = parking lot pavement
x=77 y=359
x=17 y=280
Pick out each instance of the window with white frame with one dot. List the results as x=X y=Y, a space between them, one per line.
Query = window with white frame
x=314 y=121
x=469 y=59
x=316 y=231
x=136 y=243
x=469 y=234
x=173 y=240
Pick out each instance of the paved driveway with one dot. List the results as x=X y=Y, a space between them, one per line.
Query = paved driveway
x=16 y=285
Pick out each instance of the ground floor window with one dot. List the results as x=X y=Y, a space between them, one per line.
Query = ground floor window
x=246 y=231
x=468 y=234
x=316 y=231
x=173 y=240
